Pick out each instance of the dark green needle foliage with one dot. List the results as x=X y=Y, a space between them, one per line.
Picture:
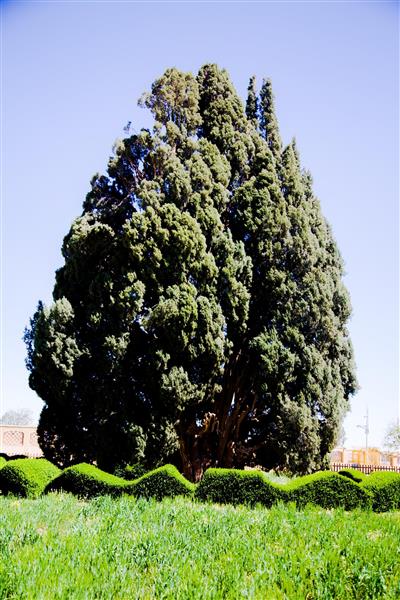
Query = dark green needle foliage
x=200 y=315
x=268 y=121
x=252 y=102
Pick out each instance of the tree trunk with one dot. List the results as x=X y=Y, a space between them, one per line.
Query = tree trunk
x=233 y=408
x=197 y=446
x=212 y=442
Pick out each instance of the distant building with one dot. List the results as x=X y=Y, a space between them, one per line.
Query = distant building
x=358 y=456
x=19 y=439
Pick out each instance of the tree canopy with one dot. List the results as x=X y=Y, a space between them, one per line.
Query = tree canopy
x=392 y=437
x=200 y=315
x=22 y=416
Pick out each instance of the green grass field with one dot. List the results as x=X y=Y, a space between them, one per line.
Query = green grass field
x=60 y=547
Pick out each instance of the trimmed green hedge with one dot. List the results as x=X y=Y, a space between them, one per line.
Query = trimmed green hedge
x=328 y=490
x=325 y=489
x=27 y=477
x=384 y=486
x=162 y=482
x=234 y=486
x=381 y=490
x=353 y=474
x=131 y=472
x=2 y=462
x=88 y=481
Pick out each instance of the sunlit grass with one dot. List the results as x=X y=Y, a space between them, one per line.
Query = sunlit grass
x=62 y=547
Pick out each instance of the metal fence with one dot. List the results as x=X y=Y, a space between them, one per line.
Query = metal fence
x=366 y=469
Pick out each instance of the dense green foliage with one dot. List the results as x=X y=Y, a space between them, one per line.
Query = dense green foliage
x=353 y=474
x=161 y=483
x=31 y=477
x=130 y=472
x=328 y=490
x=61 y=547
x=385 y=489
x=231 y=486
x=3 y=462
x=26 y=476
x=200 y=315
x=86 y=480
x=325 y=489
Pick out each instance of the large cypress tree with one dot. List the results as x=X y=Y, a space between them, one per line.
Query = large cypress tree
x=200 y=315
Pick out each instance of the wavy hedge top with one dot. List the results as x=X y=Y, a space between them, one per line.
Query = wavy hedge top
x=31 y=477
x=87 y=480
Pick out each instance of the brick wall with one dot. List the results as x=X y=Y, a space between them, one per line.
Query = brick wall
x=19 y=440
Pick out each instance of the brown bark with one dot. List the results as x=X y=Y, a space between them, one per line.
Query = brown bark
x=214 y=441
x=234 y=408
x=197 y=446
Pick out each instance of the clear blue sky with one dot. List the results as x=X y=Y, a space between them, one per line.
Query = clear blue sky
x=71 y=75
